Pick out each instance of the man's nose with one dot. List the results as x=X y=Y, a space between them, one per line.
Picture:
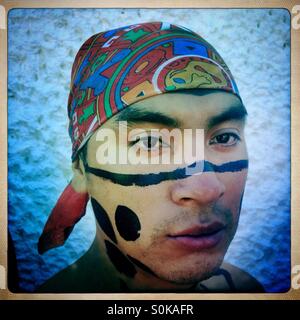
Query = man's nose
x=201 y=189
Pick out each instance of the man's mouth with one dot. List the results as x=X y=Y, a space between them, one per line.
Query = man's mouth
x=199 y=237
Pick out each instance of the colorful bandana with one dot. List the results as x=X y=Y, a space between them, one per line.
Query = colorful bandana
x=117 y=68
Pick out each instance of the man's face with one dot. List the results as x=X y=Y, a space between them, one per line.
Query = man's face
x=179 y=228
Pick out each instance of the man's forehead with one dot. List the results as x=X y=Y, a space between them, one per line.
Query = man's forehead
x=182 y=110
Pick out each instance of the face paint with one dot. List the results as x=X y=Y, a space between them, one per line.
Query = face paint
x=227 y=277
x=143 y=180
x=241 y=201
x=127 y=223
x=103 y=220
x=121 y=263
x=141 y=265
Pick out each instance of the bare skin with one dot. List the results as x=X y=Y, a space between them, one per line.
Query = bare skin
x=75 y=279
x=162 y=257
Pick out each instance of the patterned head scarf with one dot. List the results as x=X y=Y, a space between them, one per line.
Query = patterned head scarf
x=117 y=68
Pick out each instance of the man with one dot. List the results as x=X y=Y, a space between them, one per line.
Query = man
x=160 y=226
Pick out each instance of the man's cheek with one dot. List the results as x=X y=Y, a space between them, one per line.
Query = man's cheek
x=234 y=186
x=126 y=220
x=232 y=199
x=128 y=227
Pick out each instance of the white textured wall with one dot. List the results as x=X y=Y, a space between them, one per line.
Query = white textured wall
x=42 y=45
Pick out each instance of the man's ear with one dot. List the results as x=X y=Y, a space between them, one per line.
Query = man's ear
x=79 y=179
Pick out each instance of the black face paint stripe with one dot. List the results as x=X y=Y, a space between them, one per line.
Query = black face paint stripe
x=128 y=223
x=141 y=265
x=103 y=220
x=143 y=180
x=241 y=201
x=119 y=260
x=227 y=277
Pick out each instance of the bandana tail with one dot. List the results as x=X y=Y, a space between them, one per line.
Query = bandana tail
x=69 y=209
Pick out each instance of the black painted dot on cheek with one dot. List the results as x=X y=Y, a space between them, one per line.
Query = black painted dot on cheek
x=103 y=220
x=127 y=223
x=119 y=260
x=141 y=265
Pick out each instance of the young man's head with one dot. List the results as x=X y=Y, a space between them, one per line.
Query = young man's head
x=155 y=220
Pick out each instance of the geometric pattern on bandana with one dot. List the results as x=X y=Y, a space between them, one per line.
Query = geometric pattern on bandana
x=117 y=68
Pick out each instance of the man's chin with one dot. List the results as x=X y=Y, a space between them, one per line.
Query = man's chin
x=192 y=273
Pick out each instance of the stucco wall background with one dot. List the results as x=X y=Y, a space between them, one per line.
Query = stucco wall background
x=42 y=44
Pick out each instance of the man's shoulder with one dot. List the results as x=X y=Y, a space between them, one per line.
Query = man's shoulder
x=229 y=278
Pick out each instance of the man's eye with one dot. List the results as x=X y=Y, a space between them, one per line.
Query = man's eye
x=150 y=143
x=225 y=139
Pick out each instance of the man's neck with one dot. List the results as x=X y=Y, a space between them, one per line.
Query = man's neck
x=94 y=272
x=118 y=273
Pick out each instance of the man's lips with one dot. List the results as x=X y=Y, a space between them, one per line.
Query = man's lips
x=200 y=229
x=199 y=237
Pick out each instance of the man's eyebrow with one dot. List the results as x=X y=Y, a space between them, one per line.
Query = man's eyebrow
x=135 y=115
x=236 y=112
